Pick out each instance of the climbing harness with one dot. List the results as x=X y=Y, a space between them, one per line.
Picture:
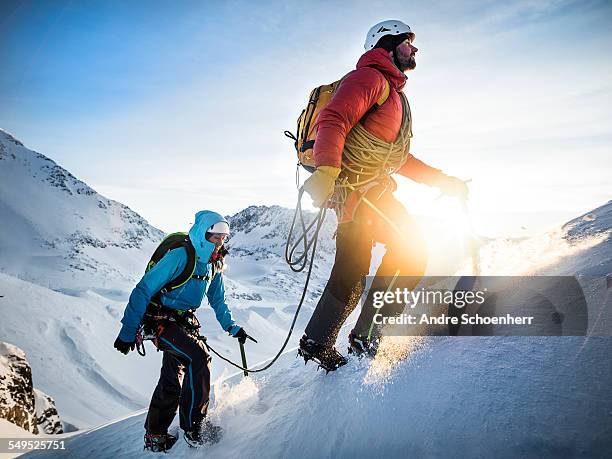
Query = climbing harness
x=155 y=320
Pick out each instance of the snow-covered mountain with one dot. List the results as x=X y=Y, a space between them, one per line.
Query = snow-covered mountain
x=261 y=232
x=257 y=247
x=594 y=226
x=68 y=259
x=58 y=232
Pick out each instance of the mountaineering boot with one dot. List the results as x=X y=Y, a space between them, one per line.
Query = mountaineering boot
x=328 y=358
x=362 y=346
x=159 y=443
x=205 y=434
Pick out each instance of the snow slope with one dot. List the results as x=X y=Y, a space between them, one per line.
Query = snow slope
x=68 y=341
x=479 y=397
x=447 y=397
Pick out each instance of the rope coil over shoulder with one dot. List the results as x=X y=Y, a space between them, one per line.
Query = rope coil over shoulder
x=366 y=159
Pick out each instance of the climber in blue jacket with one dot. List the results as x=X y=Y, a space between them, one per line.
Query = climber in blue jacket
x=166 y=313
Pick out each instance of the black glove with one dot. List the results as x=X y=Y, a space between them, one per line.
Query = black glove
x=452 y=186
x=242 y=336
x=124 y=347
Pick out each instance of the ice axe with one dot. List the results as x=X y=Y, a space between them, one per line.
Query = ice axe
x=243 y=356
x=243 y=353
x=474 y=242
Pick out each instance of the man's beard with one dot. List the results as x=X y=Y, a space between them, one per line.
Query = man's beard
x=407 y=65
x=404 y=61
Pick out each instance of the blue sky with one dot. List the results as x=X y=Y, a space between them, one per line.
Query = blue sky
x=171 y=107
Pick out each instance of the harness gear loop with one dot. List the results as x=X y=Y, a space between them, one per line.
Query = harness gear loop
x=155 y=320
x=140 y=342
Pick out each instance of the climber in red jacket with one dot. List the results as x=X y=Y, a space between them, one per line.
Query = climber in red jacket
x=389 y=53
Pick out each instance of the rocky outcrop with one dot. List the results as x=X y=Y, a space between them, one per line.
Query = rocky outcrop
x=47 y=417
x=20 y=403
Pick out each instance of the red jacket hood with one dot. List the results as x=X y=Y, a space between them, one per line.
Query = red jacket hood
x=379 y=59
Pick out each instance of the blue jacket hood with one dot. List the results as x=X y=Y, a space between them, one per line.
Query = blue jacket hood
x=204 y=220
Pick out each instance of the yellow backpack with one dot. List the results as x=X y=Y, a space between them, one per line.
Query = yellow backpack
x=306 y=124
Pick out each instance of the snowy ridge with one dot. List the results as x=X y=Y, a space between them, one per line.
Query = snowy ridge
x=596 y=227
x=597 y=221
x=261 y=231
x=580 y=247
x=58 y=231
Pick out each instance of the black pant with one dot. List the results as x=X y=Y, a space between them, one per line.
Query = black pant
x=405 y=251
x=184 y=381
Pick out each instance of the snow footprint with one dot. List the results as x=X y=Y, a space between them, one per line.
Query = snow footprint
x=259 y=408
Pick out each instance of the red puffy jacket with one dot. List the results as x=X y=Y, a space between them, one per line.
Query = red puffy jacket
x=357 y=93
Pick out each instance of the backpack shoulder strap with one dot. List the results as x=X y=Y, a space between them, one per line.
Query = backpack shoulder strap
x=385 y=95
x=381 y=100
x=187 y=272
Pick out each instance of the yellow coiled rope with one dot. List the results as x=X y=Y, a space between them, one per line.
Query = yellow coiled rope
x=367 y=159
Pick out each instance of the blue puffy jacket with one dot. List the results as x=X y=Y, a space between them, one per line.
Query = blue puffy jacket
x=190 y=294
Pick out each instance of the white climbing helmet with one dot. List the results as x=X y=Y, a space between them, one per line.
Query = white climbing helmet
x=390 y=27
x=219 y=228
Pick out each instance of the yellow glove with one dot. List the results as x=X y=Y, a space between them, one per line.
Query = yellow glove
x=454 y=187
x=320 y=185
